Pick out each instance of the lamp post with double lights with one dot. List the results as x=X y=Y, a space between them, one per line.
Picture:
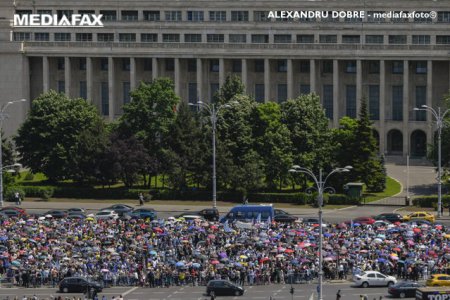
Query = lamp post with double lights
x=439 y=116
x=4 y=116
x=320 y=184
x=213 y=112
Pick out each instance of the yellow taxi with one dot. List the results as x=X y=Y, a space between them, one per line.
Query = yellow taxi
x=419 y=215
x=439 y=280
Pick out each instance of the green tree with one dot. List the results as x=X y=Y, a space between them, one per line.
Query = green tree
x=232 y=87
x=445 y=140
x=8 y=154
x=49 y=138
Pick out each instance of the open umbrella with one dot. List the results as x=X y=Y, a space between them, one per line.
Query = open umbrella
x=179 y=264
x=215 y=262
x=196 y=265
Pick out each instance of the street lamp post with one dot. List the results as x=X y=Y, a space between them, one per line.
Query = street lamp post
x=439 y=116
x=321 y=186
x=4 y=116
x=213 y=111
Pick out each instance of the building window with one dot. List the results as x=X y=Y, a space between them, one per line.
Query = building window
x=374 y=39
x=260 y=38
x=83 y=90
x=282 y=38
x=215 y=38
x=86 y=12
x=127 y=37
x=282 y=65
x=397 y=67
x=443 y=17
x=328 y=38
x=421 y=19
x=351 y=39
x=214 y=65
x=259 y=65
x=22 y=36
x=83 y=37
x=397 y=39
x=60 y=63
x=328 y=100
x=305 y=89
x=421 y=67
x=192 y=92
x=152 y=15
x=374 y=102
x=282 y=92
x=129 y=15
x=350 y=67
x=125 y=64
x=22 y=12
x=195 y=16
x=104 y=64
x=374 y=67
x=82 y=63
x=236 y=65
x=61 y=86
x=174 y=15
x=421 y=99
x=238 y=38
x=443 y=39
x=171 y=38
x=260 y=16
x=62 y=37
x=64 y=12
x=148 y=64
x=350 y=101
x=170 y=64
x=305 y=38
x=192 y=38
x=41 y=36
x=104 y=91
x=109 y=15
x=218 y=16
x=327 y=66
x=259 y=92
x=126 y=92
x=192 y=65
x=397 y=102
x=105 y=37
x=239 y=16
x=213 y=88
x=149 y=38
x=305 y=66
x=421 y=39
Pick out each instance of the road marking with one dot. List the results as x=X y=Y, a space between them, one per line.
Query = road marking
x=130 y=291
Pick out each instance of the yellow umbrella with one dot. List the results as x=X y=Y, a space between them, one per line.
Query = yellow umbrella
x=243 y=256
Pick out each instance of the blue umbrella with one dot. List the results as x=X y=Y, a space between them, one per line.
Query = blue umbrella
x=179 y=264
x=16 y=263
x=153 y=252
x=3 y=238
x=238 y=264
x=382 y=260
x=196 y=265
x=356 y=224
x=327 y=234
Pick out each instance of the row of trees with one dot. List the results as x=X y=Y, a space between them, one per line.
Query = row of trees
x=157 y=134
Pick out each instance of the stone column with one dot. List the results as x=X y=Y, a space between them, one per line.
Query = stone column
x=221 y=72
x=154 y=68
x=244 y=75
x=45 y=74
x=312 y=76
x=177 y=76
x=266 y=80
x=430 y=117
x=133 y=82
x=358 y=86
x=200 y=79
x=382 y=108
x=405 y=107
x=111 y=86
x=336 y=93
x=89 y=81
x=290 y=79
x=67 y=76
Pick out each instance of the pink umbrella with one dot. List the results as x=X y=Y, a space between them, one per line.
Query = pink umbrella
x=215 y=262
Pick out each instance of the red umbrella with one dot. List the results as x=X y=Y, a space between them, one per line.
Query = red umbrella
x=397 y=249
x=157 y=229
x=264 y=259
x=215 y=262
x=288 y=251
x=416 y=230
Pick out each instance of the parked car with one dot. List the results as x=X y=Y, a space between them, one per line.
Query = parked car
x=210 y=214
x=364 y=220
x=76 y=210
x=120 y=209
x=420 y=215
x=78 y=285
x=391 y=217
x=314 y=221
x=404 y=289
x=142 y=213
x=76 y=216
x=106 y=214
x=249 y=213
x=439 y=280
x=11 y=213
x=56 y=213
x=284 y=217
x=374 y=278
x=19 y=209
x=190 y=217
x=223 y=288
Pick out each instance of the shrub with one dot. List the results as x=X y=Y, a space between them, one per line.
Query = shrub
x=29 y=176
x=431 y=201
x=43 y=192
x=9 y=193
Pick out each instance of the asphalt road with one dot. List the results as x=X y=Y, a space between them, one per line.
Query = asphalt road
x=277 y=292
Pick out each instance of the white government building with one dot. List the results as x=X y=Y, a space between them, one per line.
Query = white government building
x=395 y=63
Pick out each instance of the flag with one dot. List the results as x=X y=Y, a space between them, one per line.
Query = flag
x=351 y=223
x=269 y=221
x=258 y=218
x=226 y=227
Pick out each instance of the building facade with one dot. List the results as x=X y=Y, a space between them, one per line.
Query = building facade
x=395 y=63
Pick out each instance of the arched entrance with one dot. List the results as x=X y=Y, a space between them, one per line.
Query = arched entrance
x=395 y=142
x=376 y=136
x=418 y=143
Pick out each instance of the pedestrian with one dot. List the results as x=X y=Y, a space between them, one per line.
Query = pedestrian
x=17 y=198
x=213 y=296
x=141 y=199
x=338 y=295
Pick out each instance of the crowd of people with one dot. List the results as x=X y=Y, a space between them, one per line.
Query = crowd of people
x=161 y=253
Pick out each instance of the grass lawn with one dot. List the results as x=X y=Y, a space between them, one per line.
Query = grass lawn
x=393 y=187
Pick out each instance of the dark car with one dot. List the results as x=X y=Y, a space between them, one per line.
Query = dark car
x=76 y=210
x=19 y=209
x=55 y=213
x=78 y=285
x=405 y=289
x=76 y=216
x=223 y=288
x=389 y=217
x=284 y=217
x=120 y=209
x=210 y=214
x=12 y=213
x=142 y=213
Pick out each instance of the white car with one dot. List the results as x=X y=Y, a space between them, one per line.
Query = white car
x=191 y=217
x=106 y=214
x=374 y=278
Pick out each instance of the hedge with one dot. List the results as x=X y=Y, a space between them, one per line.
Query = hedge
x=10 y=191
x=431 y=201
x=43 y=192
